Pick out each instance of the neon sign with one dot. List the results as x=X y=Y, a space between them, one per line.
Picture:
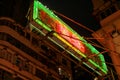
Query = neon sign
x=62 y=30
x=50 y=22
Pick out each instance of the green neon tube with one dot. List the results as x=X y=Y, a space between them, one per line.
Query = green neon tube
x=33 y=27
x=38 y=6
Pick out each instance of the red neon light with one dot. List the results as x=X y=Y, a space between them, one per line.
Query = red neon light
x=62 y=30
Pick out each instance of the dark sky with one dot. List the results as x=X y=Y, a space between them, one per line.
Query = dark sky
x=78 y=10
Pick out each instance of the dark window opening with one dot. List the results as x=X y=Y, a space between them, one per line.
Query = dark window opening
x=40 y=74
x=103 y=15
x=20 y=31
x=113 y=9
x=28 y=36
x=64 y=62
x=35 y=41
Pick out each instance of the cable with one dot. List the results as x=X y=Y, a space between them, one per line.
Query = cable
x=106 y=50
x=82 y=27
x=96 y=54
x=92 y=38
x=114 y=72
x=94 y=44
x=112 y=64
x=82 y=41
x=73 y=21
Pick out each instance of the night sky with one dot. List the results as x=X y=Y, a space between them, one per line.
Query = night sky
x=79 y=10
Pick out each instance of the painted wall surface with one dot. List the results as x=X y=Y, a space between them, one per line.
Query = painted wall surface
x=110 y=37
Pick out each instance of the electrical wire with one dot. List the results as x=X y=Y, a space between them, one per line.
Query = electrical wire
x=90 y=56
x=73 y=21
x=81 y=25
x=114 y=72
x=94 y=44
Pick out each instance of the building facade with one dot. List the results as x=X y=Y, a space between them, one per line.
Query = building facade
x=107 y=12
x=28 y=53
x=25 y=56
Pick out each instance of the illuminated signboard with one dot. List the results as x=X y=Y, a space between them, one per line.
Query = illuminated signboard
x=61 y=29
x=50 y=22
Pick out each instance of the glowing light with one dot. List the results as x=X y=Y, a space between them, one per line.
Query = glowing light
x=50 y=22
x=61 y=29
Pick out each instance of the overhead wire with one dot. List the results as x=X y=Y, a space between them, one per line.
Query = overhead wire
x=114 y=72
x=81 y=25
x=92 y=43
x=96 y=45
x=72 y=21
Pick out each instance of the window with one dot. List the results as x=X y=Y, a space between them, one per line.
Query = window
x=63 y=74
x=2 y=36
x=7 y=23
x=4 y=75
x=3 y=53
x=18 y=78
x=64 y=61
x=42 y=60
x=24 y=48
x=103 y=15
x=30 y=68
x=35 y=41
x=11 y=25
x=113 y=9
x=51 y=54
x=52 y=66
x=26 y=66
x=108 y=12
x=106 y=1
x=44 y=48
x=34 y=30
x=20 y=31
x=50 y=77
x=19 y=62
x=9 y=56
x=40 y=74
x=28 y=36
x=1 y=74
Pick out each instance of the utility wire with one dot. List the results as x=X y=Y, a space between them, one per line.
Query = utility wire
x=81 y=25
x=73 y=21
x=106 y=50
x=94 y=44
